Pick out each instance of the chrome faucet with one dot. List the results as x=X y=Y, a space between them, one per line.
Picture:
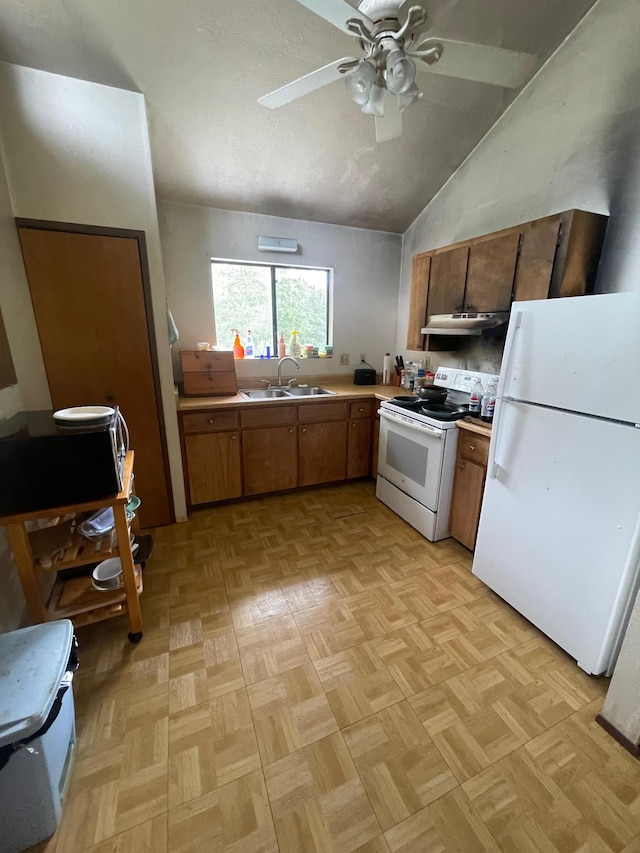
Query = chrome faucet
x=280 y=363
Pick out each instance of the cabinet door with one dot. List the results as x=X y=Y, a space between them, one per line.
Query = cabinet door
x=322 y=452
x=270 y=459
x=92 y=309
x=490 y=274
x=535 y=264
x=447 y=280
x=213 y=466
x=359 y=449
x=418 y=301
x=468 y=488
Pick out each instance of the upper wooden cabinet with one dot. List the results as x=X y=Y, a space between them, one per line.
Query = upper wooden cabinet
x=550 y=257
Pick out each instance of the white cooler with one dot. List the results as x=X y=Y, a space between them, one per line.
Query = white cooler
x=37 y=731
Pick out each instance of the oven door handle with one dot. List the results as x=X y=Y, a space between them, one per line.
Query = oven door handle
x=428 y=430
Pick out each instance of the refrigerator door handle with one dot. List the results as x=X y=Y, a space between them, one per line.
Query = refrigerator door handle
x=514 y=325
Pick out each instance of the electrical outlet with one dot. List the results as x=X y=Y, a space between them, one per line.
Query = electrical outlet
x=363 y=356
x=344 y=358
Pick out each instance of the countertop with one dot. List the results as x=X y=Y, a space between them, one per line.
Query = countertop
x=343 y=391
x=475 y=425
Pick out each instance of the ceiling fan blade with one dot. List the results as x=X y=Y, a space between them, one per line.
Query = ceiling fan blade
x=304 y=85
x=479 y=62
x=389 y=126
x=337 y=12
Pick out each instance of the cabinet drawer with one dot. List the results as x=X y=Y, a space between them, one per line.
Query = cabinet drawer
x=474 y=447
x=330 y=411
x=268 y=416
x=361 y=409
x=196 y=422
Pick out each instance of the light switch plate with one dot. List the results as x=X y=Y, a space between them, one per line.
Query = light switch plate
x=344 y=358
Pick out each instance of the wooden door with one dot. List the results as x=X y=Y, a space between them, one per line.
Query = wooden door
x=466 y=501
x=490 y=273
x=94 y=325
x=535 y=263
x=270 y=459
x=322 y=450
x=213 y=466
x=447 y=280
x=418 y=301
x=359 y=448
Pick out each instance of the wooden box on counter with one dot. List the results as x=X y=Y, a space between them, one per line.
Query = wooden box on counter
x=208 y=373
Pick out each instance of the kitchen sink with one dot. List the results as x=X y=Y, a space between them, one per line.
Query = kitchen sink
x=263 y=393
x=296 y=391
x=309 y=391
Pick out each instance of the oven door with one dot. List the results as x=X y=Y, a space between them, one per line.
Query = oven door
x=410 y=457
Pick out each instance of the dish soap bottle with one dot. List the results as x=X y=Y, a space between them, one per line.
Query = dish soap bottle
x=248 y=349
x=282 y=349
x=295 y=349
x=238 y=349
x=475 y=401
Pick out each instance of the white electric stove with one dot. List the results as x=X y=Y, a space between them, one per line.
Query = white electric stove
x=417 y=450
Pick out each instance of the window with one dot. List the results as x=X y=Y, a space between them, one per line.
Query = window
x=269 y=299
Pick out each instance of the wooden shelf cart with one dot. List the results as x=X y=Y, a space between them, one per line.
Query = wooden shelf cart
x=77 y=599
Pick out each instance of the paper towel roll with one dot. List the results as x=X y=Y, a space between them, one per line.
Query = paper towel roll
x=387 y=369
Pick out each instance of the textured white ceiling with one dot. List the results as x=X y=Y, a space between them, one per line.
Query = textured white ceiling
x=202 y=64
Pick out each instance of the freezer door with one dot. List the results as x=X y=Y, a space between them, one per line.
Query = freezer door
x=580 y=354
x=558 y=536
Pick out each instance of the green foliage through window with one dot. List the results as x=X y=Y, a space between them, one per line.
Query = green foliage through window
x=269 y=299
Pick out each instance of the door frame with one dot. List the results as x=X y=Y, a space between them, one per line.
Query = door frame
x=140 y=237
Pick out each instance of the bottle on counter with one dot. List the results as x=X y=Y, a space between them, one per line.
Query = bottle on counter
x=475 y=401
x=488 y=402
x=282 y=348
x=295 y=349
x=248 y=348
x=238 y=349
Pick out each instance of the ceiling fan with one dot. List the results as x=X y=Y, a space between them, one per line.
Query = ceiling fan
x=383 y=82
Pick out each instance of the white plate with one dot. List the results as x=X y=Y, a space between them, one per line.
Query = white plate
x=83 y=414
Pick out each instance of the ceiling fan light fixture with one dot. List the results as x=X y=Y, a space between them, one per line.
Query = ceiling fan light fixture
x=360 y=82
x=375 y=104
x=400 y=73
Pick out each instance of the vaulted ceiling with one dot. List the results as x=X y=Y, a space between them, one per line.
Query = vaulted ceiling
x=202 y=64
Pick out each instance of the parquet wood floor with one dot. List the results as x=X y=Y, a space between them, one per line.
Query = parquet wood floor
x=315 y=677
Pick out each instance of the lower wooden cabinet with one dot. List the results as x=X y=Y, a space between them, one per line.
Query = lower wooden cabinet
x=214 y=466
x=270 y=459
x=468 y=487
x=322 y=452
x=259 y=450
x=359 y=448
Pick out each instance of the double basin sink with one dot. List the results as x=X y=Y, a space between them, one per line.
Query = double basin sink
x=295 y=391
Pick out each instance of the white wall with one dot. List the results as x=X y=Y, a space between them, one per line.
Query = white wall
x=365 y=264
x=79 y=152
x=570 y=140
x=32 y=383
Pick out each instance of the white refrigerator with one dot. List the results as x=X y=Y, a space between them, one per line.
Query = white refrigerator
x=559 y=534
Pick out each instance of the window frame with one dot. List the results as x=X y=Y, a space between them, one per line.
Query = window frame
x=274 y=312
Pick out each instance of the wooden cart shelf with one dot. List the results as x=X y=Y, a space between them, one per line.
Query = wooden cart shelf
x=77 y=599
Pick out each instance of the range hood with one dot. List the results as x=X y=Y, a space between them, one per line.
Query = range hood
x=464 y=324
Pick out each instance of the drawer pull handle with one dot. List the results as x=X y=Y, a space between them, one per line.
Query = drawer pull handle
x=461 y=466
x=304 y=429
x=233 y=437
x=471 y=447
x=210 y=420
x=361 y=409
x=290 y=430
x=352 y=426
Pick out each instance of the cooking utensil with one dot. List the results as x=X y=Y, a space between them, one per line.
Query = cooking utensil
x=433 y=394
